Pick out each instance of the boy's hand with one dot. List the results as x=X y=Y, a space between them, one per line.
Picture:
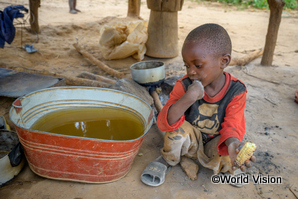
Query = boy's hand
x=195 y=90
x=234 y=146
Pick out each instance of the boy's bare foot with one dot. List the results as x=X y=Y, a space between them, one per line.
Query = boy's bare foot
x=189 y=167
x=161 y=160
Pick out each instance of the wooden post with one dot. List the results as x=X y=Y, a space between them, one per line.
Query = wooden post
x=276 y=7
x=134 y=7
x=163 y=28
x=33 y=6
x=162 y=34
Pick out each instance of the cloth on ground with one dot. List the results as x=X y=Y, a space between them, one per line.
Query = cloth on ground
x=7 y=29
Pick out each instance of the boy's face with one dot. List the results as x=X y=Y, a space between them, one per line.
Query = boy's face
x=202 y=65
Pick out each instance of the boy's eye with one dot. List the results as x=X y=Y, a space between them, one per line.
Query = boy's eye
x=199 y=66
x=186 y=66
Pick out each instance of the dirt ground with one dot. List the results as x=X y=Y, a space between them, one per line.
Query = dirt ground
x=271 y=114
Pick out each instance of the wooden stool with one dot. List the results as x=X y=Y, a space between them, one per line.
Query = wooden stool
x=163 y=28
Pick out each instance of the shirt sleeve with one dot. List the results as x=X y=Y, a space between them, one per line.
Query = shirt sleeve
x=162 y=121
x=234 y=123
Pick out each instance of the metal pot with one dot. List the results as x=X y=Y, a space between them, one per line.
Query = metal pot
x=11 y=153
x=148 y=73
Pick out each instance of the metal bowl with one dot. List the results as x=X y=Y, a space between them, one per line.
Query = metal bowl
x=148 y=73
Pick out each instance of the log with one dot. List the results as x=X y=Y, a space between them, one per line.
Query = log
x=100 y=64
x=247 y=58
x=134 y=7
x=276 y=7
x=100 y=78
x=73 y=81
x=33 y=6
x=156 y=100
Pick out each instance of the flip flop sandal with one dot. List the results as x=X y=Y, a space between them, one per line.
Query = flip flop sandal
x=154 y=174
x=29 y=48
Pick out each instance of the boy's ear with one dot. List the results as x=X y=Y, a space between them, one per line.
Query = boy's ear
x=225 y=60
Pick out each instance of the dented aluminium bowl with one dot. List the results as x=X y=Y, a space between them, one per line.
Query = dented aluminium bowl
x=148 y=73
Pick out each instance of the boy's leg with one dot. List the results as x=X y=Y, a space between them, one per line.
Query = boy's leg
x=210 y=158
x=181 y=142
x=187 y=141
x=181 y=146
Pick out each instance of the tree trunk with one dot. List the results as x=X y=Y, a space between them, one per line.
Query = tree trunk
x=276 y=7
x=34 y=5
x=134 y=7
x=162 y=34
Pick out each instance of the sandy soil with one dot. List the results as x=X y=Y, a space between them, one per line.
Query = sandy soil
x=271 y=114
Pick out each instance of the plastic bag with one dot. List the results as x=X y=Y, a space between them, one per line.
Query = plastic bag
x=123 y=40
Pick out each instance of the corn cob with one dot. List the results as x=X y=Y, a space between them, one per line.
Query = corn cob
x=245 y=153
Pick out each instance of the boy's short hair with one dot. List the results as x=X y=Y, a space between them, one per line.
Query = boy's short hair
x=213 y=36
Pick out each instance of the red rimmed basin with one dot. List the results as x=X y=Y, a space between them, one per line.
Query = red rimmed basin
x=77 y=158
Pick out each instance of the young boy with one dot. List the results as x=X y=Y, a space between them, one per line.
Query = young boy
x=204 y=116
